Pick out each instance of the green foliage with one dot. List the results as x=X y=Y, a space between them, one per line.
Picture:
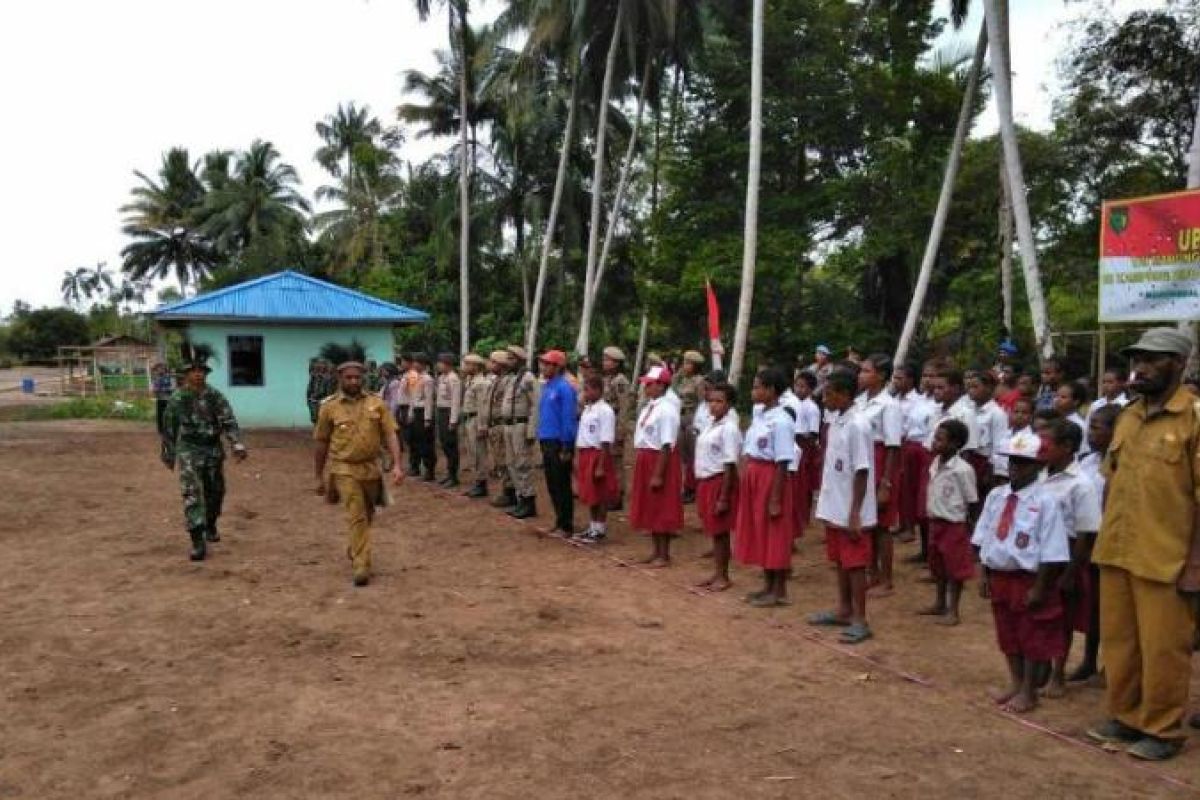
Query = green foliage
x=138 y=409
x=37 y=335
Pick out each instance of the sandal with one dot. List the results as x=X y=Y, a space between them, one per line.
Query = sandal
x=855 y=634
x=827 y=619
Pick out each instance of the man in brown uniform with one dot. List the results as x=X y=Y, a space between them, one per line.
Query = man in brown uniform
x=492 y=425
x=449 y=393
x=618 y=393
x=1148 y=551
x=474 y=399
x=519 y=406
x=689 y=385
x=352 y=426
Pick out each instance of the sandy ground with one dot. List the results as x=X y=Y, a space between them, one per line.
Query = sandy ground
x=483 y=661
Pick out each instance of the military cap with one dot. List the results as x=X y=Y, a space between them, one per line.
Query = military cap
x=1161 y=340
x=694 y=356
x=499 y=356
x=517 y=352
x=653 y=358
x=474 y=358
x=615 y=353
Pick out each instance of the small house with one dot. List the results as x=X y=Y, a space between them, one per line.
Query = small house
x=264 y=332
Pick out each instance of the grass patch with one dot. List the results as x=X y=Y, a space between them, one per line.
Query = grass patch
x=139 y=409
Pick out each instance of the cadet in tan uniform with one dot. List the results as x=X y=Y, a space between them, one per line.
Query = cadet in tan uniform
x=689 y=385
x=475 y=398
x=449 y=393
x=423 y=460
x=519 y=407
x=352 y=426
x=493 y=427
x=619 y=394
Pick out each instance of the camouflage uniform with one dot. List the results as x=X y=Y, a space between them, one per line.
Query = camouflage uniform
x=313 y=392
x=193 y=424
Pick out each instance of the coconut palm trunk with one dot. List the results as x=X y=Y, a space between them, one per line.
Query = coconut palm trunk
x=943 y=205
x=753 y=171
x=581 y=342
x=998 y=35
x=465 y=167
x=1006 y=251
x=552 y=222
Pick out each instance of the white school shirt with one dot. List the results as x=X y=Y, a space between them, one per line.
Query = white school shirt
x=962 y=410
x=597 y=426
x=1038 y=534
x=789 y=401
x=658 y=425
x=951 y=489
x=1077 y=495
x=702 y=418
x=848 y=451
x=770 y=436
x=671 y=397
x=809 y=423
x=1100 y=402
x=1090 y=465
x=993 y=430
x=1083 y=443
x=916 y=413
x=718 y=445
x=883 y=414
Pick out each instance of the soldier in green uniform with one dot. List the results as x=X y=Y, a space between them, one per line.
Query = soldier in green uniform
x=312 y=392
x=196 y=418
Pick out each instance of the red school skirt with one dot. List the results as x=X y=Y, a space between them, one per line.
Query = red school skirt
x=759 y=539
x=590 y=491
x=889 y=515
x=656 y=511
x=1036 y=635
x=983 y=471
x=708 y=491
x=798 y=482
x=914 y=465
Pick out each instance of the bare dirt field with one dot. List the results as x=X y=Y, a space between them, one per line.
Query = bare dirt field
x=484 y=661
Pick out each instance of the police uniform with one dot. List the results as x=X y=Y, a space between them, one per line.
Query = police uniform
x=355 y=429
x=193 y=424
x=619 y=394
x=449 y=393
x=423 y=457
x=491 y=422
x=519 y=406
x=474 y=398
x=690 y=389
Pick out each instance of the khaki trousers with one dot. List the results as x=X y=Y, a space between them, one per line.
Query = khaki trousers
x=476 y=450
x=520 y=461
x=358 y=500
x=496 y=448
x=1146 y=646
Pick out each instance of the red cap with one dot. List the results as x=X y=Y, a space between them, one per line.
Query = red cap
x=556 y=357
x=657 y=375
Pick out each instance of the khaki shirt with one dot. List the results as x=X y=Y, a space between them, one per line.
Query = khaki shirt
x=618 y=393
x=491 y=413
x=688 y=388
x=449 y=394
x=475 y=394
x=520 y=401
x=1153 y=474
x=355 y=428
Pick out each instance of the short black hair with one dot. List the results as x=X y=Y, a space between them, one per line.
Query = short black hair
x=1116 y=372
x=1047 y=414
x=953 y=375
x=1106 y=415
x=1079 y=392
x=594 y=382
x=882 y=363
x=984 y=376
x=808 y=379
x=909 y=368
x=773 y=378
x=843 y=381
x=1029 y=401
x=1063 y=431
x=728 y=391
x=957 y=431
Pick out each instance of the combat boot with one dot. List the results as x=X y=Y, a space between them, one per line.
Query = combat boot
x=507 y=500
x=212 y=534
x=198 y=548
x=477 y=491
x=451 y=482
x=526 y=508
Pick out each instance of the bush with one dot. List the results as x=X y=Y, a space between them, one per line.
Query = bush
x=140 y=409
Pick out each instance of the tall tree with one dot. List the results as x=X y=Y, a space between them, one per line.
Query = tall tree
x=75 y=285
x=343 y=132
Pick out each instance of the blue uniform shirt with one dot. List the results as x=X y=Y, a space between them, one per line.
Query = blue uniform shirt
x=556 y=412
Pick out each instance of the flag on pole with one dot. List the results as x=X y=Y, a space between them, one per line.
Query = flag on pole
x=714 y=325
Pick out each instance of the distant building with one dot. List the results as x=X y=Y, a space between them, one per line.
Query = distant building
x=263 y=333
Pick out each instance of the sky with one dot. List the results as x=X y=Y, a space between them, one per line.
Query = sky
x=95 y=90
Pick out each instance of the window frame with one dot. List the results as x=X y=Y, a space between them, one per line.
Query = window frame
x=262 y=360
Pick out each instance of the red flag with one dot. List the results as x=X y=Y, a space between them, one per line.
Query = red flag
x=714 y=313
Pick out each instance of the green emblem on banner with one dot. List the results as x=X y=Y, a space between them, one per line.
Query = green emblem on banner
x=1118 y=219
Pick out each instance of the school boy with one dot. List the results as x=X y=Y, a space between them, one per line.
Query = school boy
x=846 y=505
x=953 y=492
x=1023 y=546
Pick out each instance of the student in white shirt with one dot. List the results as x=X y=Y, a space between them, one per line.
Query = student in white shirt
x=1101 y=425
x=916 y=412
x=846 y=505
x=808 y=436
x=952 y=495
x=657 y=506
x=992 y=424
x=718 y=449
x=1068 y=399
x=881 y=411
x=1112 y=391
x=947 y=392
x=1024 y=546
x=765 y=524
x=596 y=478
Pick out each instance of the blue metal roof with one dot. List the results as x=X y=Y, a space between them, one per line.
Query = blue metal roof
x=289 y=297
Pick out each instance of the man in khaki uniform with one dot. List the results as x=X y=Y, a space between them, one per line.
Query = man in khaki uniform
x=449 y=394
x=689 y=385
x=474 y=399
x=519 y=407
x=1148 y=551
x=618 y=393
x=352 y=427
x=492 y=425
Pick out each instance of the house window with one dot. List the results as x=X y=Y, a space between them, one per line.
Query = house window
x=245 y=361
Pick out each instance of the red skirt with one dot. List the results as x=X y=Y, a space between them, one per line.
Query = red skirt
x=661 y=510
x=708 y=491
x=801 y=499
x=914 y=463
x=590 y=491
x=888 y=514
x=761 y=540
x=983 y=471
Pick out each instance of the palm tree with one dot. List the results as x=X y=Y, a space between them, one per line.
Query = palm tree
x=99 y=280
x=343 y=132
x=162 y=219
x=362 y=198
x=258 y=201
x=750 y=244
x=74 y=286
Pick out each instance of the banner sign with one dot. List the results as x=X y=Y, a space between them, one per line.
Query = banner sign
x=1150 y=258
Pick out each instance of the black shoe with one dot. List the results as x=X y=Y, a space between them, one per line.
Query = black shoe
x=428 y=477
x=450 y=483
x=689 y=497
x=526 y=509
x=506 y=501
x=362 y=579
x=1151 y=748
x=199 y=551
x=1114 y=732
x=446 y=481
x=477 y=491
x=212 y=535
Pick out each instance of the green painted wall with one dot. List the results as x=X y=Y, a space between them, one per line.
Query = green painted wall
x=279 y=402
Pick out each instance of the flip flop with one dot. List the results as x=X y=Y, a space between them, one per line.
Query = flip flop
x=827 y=619
x=855 y=634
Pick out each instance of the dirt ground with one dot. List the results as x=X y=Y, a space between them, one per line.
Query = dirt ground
x=483 y=661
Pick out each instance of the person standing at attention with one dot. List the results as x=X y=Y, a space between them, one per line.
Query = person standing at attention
x=1052 y=378
x=846 y=505
x=952 y=494
x=881 y=411
x=449 y=408
x=718 y=447
x=556 y=434
x=493 y=426
x=352 y=427
x=689 y=385
x=619 y=394
x=520 y=404
x=657 y=504
x=595 y=470
x=474 y=399
x=1148 y=551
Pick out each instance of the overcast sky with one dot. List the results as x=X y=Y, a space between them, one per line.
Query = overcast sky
x=94 y=90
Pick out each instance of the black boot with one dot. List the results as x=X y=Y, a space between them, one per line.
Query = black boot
x=477 y=491
x=507 y=500
x=452 y=481
x=526 y=508
x=212 y=534
x=198 y=548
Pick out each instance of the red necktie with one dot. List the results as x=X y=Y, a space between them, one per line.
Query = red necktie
x=1006 y=518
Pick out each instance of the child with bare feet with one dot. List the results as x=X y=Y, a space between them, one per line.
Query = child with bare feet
x=1081 y=508
x=657 y=506
x=717 y=451
x=596 y=479
x=1023 y=545
x=950 y=499
x=765 y=522
x=846 y=505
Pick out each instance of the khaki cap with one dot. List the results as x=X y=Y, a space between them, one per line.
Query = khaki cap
x=474 y=358
x=615 y=353
x=499 y=356
x=653 y=358
x=1161 y=340
x=517 y=352
x=694 y=357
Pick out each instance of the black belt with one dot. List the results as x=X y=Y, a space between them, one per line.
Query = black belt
x=514 y=420
x=469 y=416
